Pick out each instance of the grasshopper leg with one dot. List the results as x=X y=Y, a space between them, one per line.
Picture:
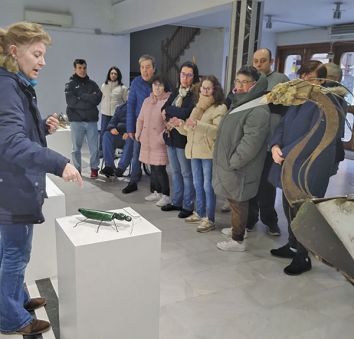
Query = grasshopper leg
x=115 y=225
x=80 y=222
x=99 y=225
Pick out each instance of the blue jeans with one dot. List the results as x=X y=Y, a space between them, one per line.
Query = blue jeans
x=15 y=251
x=108 y=146
x=135 y=174
x=79 y=130
x=205 y=196
x=182 y=180
x=105 y=119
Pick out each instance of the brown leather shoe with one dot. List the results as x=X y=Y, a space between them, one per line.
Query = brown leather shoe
x=34 y=328
x=35 y=303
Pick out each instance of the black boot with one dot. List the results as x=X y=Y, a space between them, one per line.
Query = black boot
x=170 y=207
x=283 y=252
x=132 y=186
x=119 y=172
x=185 y=213
x=299 y=265
x=107 y=171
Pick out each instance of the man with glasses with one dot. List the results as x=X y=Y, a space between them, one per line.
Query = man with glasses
x=82 y=97
x=263 y=202
x=239 y=152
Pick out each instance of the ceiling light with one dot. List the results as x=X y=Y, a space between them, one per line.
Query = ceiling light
x=337 y=13
x=269 y=23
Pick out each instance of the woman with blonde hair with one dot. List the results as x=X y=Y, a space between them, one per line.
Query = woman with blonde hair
x=24 y=162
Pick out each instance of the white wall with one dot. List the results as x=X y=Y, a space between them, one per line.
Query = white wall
x=208 y=51
x=302 y=37
x=87 y=14
x=309 y=36
x=100 y=51
x=269 y=40
x=135 y=15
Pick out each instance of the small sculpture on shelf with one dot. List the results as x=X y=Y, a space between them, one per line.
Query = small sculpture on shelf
x=103 y=216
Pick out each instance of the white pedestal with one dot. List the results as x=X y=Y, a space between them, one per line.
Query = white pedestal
x=109 y=282
x=60 y=142
x=43 y=263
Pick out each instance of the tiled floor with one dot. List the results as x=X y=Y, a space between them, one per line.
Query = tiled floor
x=210 y=294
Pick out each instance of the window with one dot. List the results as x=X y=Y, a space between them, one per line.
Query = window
x=323 y=57
x=292 y=64
x=347 y=66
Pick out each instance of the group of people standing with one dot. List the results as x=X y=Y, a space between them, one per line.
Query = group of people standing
x=178 y=127
x=213 y=145
x=235 y=153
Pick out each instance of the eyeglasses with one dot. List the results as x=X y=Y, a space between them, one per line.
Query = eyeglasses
x=206 y=89
x=243 y=82
x=186 y=75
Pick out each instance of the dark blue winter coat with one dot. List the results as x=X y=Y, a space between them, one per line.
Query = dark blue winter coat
x=119 y=119
x=293 y=127
x=82 y=97
x=24 y=157
x=138 y=92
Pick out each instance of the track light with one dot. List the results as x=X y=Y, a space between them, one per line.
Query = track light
x=337 y=13
x=269 y=23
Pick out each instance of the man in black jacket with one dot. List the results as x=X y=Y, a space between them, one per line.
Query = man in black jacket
x=82 y=97
x=116 y=137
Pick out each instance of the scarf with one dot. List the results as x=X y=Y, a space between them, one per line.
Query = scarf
x=27 y=81
x=182 y=92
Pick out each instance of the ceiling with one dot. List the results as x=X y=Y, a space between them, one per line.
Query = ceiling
x=287 y=15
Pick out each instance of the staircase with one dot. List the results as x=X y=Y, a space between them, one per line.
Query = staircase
x=172 y=49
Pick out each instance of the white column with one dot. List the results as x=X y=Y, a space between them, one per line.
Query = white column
x=60 y=141
x=43 y=263
x=109 y=281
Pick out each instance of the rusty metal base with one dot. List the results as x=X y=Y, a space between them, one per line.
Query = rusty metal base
x=316 y=234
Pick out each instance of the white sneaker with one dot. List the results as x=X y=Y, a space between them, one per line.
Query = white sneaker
x=206 y=225
x=226 y=206
x=228 y=231
x=153 y=196
x=193 y=218
x=231 y=245
x=164 y=200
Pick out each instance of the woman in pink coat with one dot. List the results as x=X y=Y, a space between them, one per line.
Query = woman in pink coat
x=150 y=126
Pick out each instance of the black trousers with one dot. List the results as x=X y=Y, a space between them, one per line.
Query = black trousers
x=290 y=213
x=264 y=201
x=159 y=179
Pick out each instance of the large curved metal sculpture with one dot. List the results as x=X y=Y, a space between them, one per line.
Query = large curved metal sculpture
x=324 y=226
x=297 y=92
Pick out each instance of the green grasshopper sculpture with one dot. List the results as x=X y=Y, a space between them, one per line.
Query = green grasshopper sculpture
x=102 y=216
